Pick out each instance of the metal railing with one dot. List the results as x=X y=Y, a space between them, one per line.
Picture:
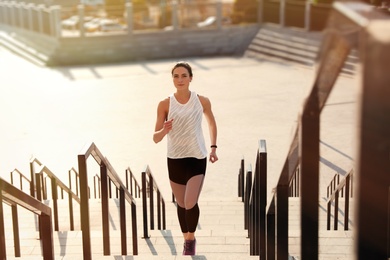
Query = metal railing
x=132 y=184
x=15 y=197
x=255 y=200
x=107 y=173
x=148 y=188
x=241 y=180
x=22 y=179
x=41 y=175
x=342 y=189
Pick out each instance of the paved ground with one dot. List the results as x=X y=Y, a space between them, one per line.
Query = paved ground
x=51 y=113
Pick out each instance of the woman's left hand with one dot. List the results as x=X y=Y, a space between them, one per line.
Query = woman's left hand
x=213 y=157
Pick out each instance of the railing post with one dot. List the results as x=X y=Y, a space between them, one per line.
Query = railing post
x=47 y=237
x=81 y=12
x=346 y=206
x=246 y=197
x=336 y=211
x=122 y=211
x=310 y=137
x=39 y=182
x=271 y=246
x=55 y=14
x=175 y=18
x=262 y=196
x=282 y=221
x=242 y=176
x=84 y=207
x=151 y=202
x=307 y=14
x=134 y=228
x=373 y=159
x=158 y=211
x=219 y=14
x=282 y=13
x=40 y=18
x=105 y=213
x=20 y=16
x=30 y=8
x=15 y=223
x=54 y=194
x=163 y=216
x=328 y=214
x=3 y=253
x=256 y=209
x=144 y=205
x=129 y=12
x=32 y=182
x=260 y=11
x=71 y=217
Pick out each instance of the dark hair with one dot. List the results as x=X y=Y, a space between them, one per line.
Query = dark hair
x=184 y=65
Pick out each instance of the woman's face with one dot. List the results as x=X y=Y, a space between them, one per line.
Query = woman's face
x=181 y=78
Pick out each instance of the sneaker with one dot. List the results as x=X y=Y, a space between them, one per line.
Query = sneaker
x=189 y=247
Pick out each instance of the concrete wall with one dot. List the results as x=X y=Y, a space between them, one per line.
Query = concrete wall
x=178 y=44
x=157 y=45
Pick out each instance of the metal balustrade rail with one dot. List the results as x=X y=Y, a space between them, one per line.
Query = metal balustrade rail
x=15 y=197
x=246 y=197
x=107 y=174
x=255 y=200
x=343 y=189
x=148 y=188
x=132 y=184
x=56 y=183
x=241 y=180
x=22 y=179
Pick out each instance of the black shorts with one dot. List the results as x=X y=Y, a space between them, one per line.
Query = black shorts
x=182 y=169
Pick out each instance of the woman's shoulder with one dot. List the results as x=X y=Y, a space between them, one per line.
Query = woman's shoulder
x=164 y=103
x=203 y=99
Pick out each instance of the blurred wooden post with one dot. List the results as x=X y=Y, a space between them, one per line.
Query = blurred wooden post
x=373 y=161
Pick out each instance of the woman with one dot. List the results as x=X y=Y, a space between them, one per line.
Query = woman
x=180 y=118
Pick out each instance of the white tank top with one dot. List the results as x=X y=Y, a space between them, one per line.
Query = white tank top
x=186 y=137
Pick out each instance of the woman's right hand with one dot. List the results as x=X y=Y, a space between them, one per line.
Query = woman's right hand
x=168 y=126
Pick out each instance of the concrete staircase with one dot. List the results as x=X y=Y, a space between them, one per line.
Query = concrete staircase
x=295 y=45
x=333 y=244
x=220 y=233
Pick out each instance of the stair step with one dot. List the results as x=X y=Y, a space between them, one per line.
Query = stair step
x=220 y=233
x=23 y=50
x=287 y=44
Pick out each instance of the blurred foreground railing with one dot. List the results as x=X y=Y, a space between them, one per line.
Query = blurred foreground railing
x=351 y=25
